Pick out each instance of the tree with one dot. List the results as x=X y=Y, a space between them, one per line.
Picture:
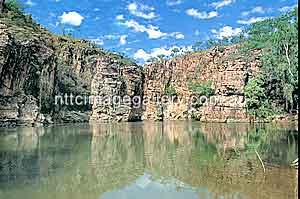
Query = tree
x=12 y=5
x=278 y=40
x=197 y=46
x=161 y=57
x=175 y=51
x=152 y=60
x=204 y=88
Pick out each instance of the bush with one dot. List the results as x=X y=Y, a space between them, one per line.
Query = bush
x=255 y=93
x=257 y=102
x=205 y=88
x=170 y=91
x=14 y=6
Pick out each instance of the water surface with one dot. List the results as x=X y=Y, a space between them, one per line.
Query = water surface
x=170 y=160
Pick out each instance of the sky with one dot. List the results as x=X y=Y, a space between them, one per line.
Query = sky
x=142 y=29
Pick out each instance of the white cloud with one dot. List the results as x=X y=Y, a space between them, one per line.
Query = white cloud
x=30 y=3
x=72 y=18
x=258 y=9
x=201 y=15
x=220 y=4
x=120 y=17
x=135 y=25
x=153 y=31
x=177 y=35
x=226 y=32
x=98 y=41
x=287 y=8
x=174 y=2
x=96 y=9
x=252 y=20
x=143 y=55
x=123 y=40
x=141 y=10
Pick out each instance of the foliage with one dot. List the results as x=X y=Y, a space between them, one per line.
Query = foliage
x=161 y=57
x=255 y=95
x=14 y=6
x=175 y=52
x=197 y=71
x=125 y=61
x=205 y=89
x=278 y=83
x=170 y=91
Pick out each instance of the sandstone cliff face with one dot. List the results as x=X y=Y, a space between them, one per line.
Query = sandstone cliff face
x=36 y=65
x=228 y=72
x=27 y=72
x=113 y=80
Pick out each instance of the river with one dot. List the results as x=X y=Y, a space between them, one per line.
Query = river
x=149 y=160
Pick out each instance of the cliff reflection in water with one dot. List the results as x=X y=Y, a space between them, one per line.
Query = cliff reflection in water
x=175 y=159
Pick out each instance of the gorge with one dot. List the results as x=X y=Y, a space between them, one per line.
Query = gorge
x=36 y=66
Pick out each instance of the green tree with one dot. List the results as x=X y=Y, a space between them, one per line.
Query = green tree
x=205 y=88
x=175 y=52
x=170 y=91
x=13 y=5
x=161 y=57
x=278 y=40
x=197 y=46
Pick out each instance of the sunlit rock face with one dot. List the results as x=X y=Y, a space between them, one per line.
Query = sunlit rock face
x=27 y=72
x=228 y=72
x=36 y=66
x=115 y=86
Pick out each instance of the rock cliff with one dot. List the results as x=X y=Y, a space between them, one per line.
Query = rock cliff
x=36 y=66
x=112 y=83
x=224 y=68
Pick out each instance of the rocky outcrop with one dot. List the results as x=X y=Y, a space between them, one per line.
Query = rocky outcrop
x=27 y=76
x=227 y=71
x=114 y=87
x=36 y=66
x=21 y=110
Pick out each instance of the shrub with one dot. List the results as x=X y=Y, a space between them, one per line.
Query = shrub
x=170 y=91
x=14 y=6
x=197 y=71
x=205 y=88
x=257 y=102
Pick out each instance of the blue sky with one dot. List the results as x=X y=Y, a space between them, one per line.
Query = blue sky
x=145 y=29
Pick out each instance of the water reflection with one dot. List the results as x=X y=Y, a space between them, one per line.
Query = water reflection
x=147 y=188
x=140 y=160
